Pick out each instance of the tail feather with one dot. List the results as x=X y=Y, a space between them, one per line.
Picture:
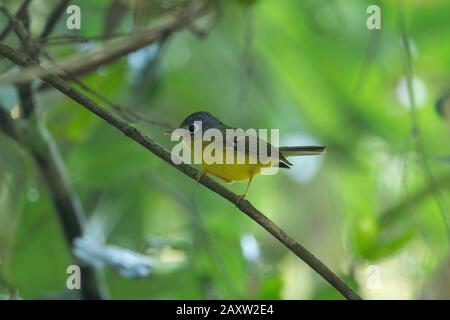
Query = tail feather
x=301 y=151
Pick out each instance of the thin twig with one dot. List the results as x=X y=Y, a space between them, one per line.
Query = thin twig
x=69 y=38
x=24 y=89
x=22 y=9
x=86 y=62
x=201 y=235
x=394 y=213
x=133 y=133
x=46 y=155
x=124 y=111
x=416 y=134
x=38 y=141
x=21 y=32
x=53 y=18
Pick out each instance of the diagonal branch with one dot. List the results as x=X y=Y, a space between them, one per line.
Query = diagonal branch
x=133 y=133
x=40 y=144
x=44 y=151
x=126 y=113
x=53 y=18
x=70 y=211
x=416 y=133
x=85 y=62
x=19 y=14
x=202 y=237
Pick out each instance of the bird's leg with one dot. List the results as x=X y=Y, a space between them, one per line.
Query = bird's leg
x=242 y=196
x=200 y=175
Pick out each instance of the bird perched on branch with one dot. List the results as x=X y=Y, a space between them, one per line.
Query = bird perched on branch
x=250 y=153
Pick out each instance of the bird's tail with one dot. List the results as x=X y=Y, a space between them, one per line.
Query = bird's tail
x=301 y=151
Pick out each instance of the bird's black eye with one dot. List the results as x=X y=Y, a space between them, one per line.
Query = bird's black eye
x=193 y=127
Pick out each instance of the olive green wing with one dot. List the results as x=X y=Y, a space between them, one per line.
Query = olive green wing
x=249 y=144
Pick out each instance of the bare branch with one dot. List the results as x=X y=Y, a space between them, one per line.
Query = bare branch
x=85 y=62
x=20 y=12
x=127 y=113
x=24 y=89
x=46 y=155
x=415 y=130
x=133 y=133
x=21 y=32
x=53 y=18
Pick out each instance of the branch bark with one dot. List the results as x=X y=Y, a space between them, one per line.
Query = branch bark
x=133 y=133
x=20 y=12
x=38 y=141
x=85 y=62
x=44 y=151
x=70 y=211
x=53 y=18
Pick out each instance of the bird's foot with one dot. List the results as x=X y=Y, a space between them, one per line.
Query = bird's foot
x=240 y=199
x=200 y=175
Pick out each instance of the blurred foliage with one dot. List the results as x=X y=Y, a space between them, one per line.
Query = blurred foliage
x=310 y=68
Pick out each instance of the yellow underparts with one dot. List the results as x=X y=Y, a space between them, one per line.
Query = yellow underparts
x=234 y=171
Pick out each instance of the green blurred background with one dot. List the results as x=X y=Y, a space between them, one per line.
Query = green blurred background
x=375 y=204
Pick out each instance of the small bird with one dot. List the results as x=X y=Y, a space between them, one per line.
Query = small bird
x=230 y=172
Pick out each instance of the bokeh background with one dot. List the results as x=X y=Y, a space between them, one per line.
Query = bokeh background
x=375 y=205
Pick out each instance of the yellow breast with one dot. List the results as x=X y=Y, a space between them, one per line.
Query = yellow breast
x=230 y=172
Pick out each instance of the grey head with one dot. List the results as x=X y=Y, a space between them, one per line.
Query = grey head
x=208 y=121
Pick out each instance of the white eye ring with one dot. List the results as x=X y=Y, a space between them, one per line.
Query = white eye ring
x=193 y=128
